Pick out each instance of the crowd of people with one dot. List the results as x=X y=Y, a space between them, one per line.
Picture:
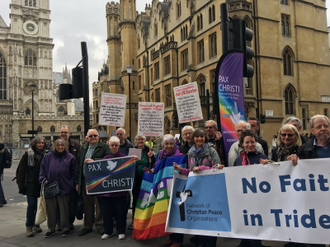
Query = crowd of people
x=204 y=149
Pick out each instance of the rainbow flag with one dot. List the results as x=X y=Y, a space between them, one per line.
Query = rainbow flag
x=151 y=207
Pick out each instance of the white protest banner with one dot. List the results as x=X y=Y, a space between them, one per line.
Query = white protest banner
x=151 y=119
x=266 y=202
x=187 y=103
x=112 y=110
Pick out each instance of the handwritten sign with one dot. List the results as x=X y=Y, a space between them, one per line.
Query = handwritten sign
x=151 y=119
x=187 y=103
x=112 y=111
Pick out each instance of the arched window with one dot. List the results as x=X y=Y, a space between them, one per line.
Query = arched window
x=285 y=23
x=201 y=20
x=28 y=111
x=213 y=12
x=78 y=128
x=39 y=129
x=156 y=29
x=31 y=3
x=186 y=32
x=181 y=35
x=3 y=78
x=210 y=14
x=288 y=62
x=198 y=25
x=201 y=81
x=289 y=97
x=30 y=58
x=52 y=129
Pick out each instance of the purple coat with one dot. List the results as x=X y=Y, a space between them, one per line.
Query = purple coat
x=58 y=165
x=114 y=194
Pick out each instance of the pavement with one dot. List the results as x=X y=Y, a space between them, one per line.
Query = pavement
x=12 y=227
x=12 y=233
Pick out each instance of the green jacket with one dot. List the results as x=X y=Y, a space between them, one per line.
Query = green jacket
x=101 y=150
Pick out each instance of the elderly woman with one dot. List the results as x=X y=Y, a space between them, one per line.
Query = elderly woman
x=201 y=156
x=58 y=164
x=288 y=143
x=28 y=181
x=187 y=132
x=169 y=149
x=147 y=160
x=249 y=155
x=114 y=204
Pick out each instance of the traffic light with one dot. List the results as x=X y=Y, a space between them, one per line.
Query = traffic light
x=239 y=34
x=77 y=82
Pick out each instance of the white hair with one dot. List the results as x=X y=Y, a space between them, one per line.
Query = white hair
x=122 y=130
x=114 y=139
x=166 y=138
x=248 y=126
x=187 y=127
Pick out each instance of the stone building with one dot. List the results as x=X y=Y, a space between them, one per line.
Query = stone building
x=178 y=42
x=26 y=77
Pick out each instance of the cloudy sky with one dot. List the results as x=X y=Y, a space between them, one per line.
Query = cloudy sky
x=74 y=21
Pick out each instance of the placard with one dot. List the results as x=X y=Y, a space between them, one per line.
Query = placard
x=188 y=103
x=112 y=109
x=151 y=119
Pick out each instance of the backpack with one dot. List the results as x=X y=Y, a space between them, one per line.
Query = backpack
x=7 y=159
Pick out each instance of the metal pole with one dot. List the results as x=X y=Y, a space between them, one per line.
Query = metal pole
x=130 y=120
x=208 y=103
x=32 y=112
x=85 y=86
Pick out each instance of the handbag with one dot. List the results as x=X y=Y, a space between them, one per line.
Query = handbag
x=52 y=189
x=7 y=159
x=41 y=211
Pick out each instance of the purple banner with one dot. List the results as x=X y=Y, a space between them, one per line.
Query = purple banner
x=231 y=96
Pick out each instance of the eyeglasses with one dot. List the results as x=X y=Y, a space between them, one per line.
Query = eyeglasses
x=289 y=135
x=239 y=130
x=90 y=136
x=320 y=126
x=209 y=127
x=64 y=132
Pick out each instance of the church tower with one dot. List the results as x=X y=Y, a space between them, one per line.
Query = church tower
x=27 y=49
x=128 y=57
x=114 y=45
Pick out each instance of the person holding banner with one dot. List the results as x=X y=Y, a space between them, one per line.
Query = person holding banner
x=169 y=149
x=249 y=155
x=58 y=165
x=187 y=132
x=288 y=143
x=318 y=145
x=147 y=160
x=236 y=148
x=92 y=150
x=114 y=204
x=201 y=156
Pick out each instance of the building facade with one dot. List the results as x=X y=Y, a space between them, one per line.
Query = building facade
x=27 y=87
x=177 y=42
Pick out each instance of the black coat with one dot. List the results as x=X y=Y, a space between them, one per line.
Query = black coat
x=28 y=177
x=264 y=145
x=307 y=151
x=184 y=148
x=275 y=153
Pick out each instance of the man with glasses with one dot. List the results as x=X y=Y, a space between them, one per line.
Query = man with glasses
x=73 y=149
x=236 y=148
x=255 y=126
x=319 y=145
x=125 y=144
x=296 y=123
x=93 y=149
x=214 y=136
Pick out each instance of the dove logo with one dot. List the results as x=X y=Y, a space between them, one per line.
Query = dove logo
x=111 y=165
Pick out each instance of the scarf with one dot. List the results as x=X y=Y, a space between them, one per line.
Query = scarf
x=164 y=154
x=197 y=152
x=245 y=158
x=284 y=152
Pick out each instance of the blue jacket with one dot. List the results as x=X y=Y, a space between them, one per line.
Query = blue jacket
x=58 y=165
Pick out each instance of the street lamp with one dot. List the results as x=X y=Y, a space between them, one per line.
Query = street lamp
x=129 y=72
x=33 y=87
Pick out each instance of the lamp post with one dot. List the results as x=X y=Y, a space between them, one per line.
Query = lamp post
x=129 y=72
x=32 y=86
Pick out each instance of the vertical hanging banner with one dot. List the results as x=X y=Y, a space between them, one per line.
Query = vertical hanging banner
x=188 y=104
x=112 y=110
x=151 y=119
x=230 y=95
